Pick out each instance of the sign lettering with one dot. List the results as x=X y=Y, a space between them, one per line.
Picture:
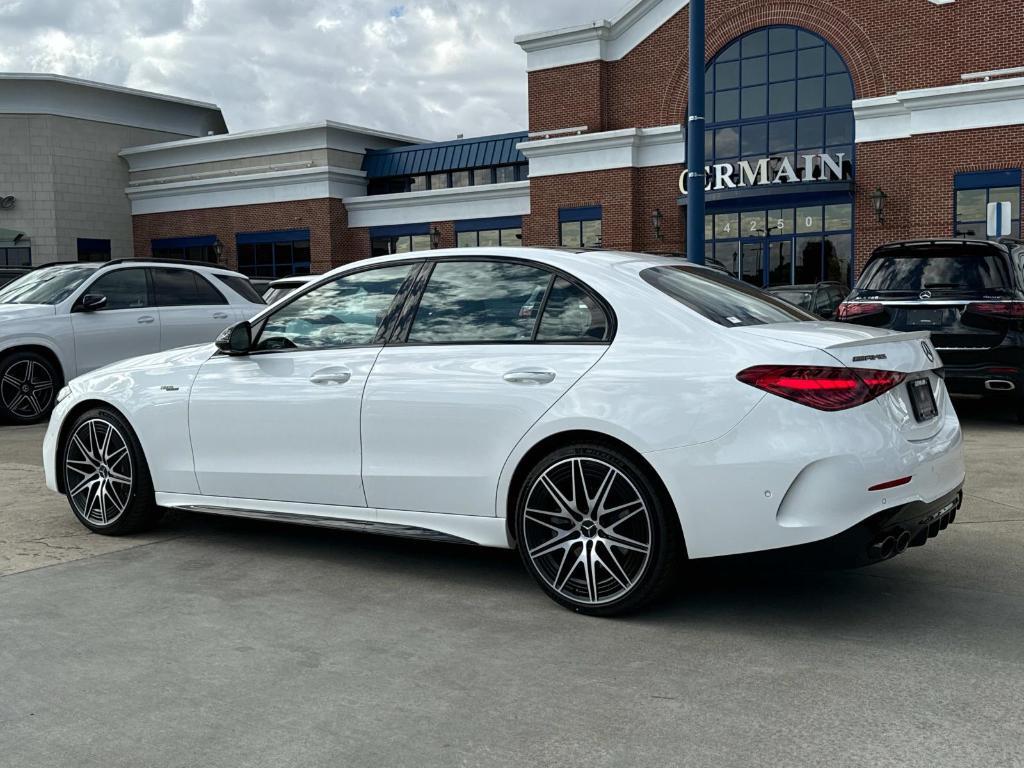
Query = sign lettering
x=773 y=170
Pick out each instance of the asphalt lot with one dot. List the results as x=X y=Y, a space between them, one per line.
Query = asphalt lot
x=232 y=643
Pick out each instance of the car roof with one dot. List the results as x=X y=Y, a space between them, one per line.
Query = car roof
x=214 y=268
x=573 y=259
x=959 y=242
x=284 y=282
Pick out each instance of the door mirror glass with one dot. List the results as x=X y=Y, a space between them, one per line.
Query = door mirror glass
x=92 y=302
x=236 y=340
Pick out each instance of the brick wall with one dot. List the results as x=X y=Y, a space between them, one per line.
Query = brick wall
x=890 y=46
x=615 y=190
x=331 y=242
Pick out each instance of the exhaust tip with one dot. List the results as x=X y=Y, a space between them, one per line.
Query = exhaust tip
x=883 y=549
x=902 y=542
x=1000 y=385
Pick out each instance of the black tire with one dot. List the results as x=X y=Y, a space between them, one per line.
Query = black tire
x=93 y=467
x=580 y=542
x=28 y=388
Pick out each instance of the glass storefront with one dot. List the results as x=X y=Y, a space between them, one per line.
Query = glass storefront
x=781 y=95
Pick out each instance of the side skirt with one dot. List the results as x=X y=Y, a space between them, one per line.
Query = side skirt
x=457 y=529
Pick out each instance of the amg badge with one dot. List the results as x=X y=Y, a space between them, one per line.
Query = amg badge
x=869 y=358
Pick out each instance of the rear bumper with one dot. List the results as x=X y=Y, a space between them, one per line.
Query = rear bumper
x=788 y=475
x=985 y=372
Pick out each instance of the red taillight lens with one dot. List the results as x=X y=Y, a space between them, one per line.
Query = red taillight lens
x=1005 y=310
x=827 y=389
x=851 y=310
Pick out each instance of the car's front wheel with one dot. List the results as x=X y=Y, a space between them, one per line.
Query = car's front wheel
x=106 y=478
x=596 y=532
x=28 y=388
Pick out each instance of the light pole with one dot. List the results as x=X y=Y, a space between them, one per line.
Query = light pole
x=695 y=138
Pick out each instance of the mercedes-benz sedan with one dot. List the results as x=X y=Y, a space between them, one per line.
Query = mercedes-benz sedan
x=607 y=414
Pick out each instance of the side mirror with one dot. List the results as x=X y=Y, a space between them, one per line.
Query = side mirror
x=236 y=340
x=91 y=302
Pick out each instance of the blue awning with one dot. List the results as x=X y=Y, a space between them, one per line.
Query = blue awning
x=400 y=230
x=986 y=179
x=500 y=222
x=278 y=236
x=587 y=213
x=479 y=152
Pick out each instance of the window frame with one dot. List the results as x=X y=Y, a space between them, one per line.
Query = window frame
x=963 y=183
x=394 y=311
x=224 y=301
x=399 y=336
x=87 y=287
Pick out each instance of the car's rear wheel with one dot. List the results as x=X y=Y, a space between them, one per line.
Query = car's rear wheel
x=106 y=478
x=28 y=388
x=595 y=532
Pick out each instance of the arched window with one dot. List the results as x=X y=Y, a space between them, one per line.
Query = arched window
x=781 y=93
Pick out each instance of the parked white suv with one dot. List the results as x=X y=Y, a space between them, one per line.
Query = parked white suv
x=62 y=320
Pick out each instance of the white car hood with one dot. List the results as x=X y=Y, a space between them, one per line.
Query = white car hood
x=11 y=312
x=172 y=359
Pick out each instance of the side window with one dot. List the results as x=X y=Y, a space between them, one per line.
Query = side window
x=345 y=312
x=183 y=288
x=124 y=289
x=571 y=314
x=480 y=302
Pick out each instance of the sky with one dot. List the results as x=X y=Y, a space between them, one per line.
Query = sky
x=425 y=68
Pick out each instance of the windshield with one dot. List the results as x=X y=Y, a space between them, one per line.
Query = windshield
x=721 y=298
x=49 y=285
x=937 y=269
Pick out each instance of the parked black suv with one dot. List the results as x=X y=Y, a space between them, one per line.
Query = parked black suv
x=823 y=299
x=968 y=293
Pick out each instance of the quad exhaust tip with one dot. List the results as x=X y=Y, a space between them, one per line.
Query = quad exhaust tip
x=1000 y=385
x=902 y=542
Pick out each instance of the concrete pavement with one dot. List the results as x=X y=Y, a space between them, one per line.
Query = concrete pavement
x=227 y=643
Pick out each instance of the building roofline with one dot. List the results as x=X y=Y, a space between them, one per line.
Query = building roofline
x=51 y=77
x=452 y=142
x=277 y=130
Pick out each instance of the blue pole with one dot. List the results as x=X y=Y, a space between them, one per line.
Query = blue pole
x=695 y=138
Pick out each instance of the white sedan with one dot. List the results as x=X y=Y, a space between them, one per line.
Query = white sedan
x=642 y=412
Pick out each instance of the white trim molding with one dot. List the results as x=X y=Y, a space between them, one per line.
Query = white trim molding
x=604 y=40
x=961 y=107
x=325 y=134
x=248 y=189
x=484 y=202
x=625 y=148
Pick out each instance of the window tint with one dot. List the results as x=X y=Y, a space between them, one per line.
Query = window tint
x=345 y=312
x=572 y=315
x=184 y=288
x=937 y=269
x=242 y=287
x=124 y=289
x=479 y=301
x=721 y=298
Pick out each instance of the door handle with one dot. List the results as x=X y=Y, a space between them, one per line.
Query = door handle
x=146 y=320
x=530 y=376
x=331 y=377
x=220 y=315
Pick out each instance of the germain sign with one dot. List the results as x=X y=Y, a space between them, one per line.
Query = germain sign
x=773 y=170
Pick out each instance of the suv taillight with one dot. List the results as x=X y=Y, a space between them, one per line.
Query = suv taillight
x=850 y=310
x=1004 y=310
x=827 y=389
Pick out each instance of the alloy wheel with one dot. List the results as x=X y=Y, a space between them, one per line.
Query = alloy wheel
x=587 y=531
x=98 y=472
x=26 y=389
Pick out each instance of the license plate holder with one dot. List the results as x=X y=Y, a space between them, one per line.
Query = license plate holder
x=922 y=399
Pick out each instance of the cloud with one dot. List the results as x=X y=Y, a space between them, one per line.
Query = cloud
x=430 y=68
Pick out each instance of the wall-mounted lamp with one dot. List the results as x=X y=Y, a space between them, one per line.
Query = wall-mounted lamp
x=656 y=221
x=218 y=249
x=878 y=198
x=435 y=237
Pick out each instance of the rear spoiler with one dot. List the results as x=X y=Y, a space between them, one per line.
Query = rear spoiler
x=908 y=336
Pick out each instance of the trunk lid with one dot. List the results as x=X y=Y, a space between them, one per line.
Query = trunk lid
x=862 y=347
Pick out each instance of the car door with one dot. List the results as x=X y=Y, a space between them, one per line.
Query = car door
x=478 y=364
x=282 y=423
x=192 y=310
x=127 y=326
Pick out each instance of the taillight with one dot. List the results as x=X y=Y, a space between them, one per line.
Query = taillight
x=850 y=310
x=1004 y=310
x=827 y=389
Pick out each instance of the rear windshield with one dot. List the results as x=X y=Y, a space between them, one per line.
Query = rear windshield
x=937 y=269
x=802 y=299
x=721 y=298
x=242 y=287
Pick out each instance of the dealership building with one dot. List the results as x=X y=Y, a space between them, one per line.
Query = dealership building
x=831 y=129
